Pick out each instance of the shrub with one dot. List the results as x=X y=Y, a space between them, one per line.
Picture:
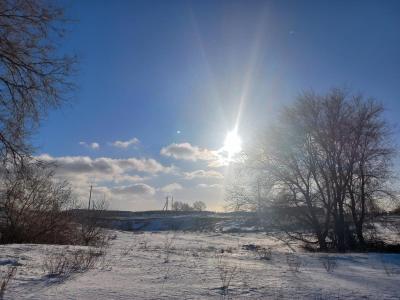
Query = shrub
x=264 y=253
x=5 y=279
x=226 y=273
x=92 y=233
x=35 y=206
x=64 y=263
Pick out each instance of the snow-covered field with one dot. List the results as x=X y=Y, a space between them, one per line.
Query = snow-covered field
x=182 y=265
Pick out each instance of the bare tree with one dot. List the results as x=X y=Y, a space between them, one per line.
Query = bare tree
x=199 y=206
x=33 y=76
x=371 y=172
x=181 y=206
x=244 y=191
x=327 y=163
x=177 y=205
x=288 y=157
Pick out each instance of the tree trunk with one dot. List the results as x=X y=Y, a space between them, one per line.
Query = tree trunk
x=322 y=242
x=359 y=232
x=340 y=230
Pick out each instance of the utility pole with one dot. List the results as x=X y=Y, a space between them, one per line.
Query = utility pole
x=90 y=196
x=259 y=194
x=166 y=204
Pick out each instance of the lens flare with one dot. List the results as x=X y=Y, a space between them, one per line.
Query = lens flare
x=232 y=144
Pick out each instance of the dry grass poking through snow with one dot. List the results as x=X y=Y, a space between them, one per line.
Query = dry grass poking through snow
x=329 y=263
x=227 y=271
x=294 y=262
x=168 y=245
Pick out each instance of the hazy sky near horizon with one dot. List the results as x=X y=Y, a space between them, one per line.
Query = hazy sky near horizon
x=162 y=82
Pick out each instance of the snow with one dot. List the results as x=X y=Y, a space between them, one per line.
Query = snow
x=187 y=265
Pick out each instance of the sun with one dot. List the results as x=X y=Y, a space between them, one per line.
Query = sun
x=232 y=144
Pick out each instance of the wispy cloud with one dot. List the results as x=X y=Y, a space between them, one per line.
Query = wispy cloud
x=125 y=144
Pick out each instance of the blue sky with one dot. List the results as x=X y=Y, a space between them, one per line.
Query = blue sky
x=174 y=75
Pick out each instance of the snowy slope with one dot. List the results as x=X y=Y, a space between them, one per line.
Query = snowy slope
x=140 y=266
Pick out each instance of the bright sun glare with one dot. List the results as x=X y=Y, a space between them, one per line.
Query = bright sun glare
x=232 y=144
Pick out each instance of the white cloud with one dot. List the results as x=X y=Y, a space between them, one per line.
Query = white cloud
x=129 y=182
x=203 y=174
x=115 y=179
x=104 y=166
x=115 y=195
x=129 y=178
x=125 y=144
x=169 y=188
x=148 y=165
x=208 y=186
x=139 y=189
x=93 y=145
x=186 y=151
